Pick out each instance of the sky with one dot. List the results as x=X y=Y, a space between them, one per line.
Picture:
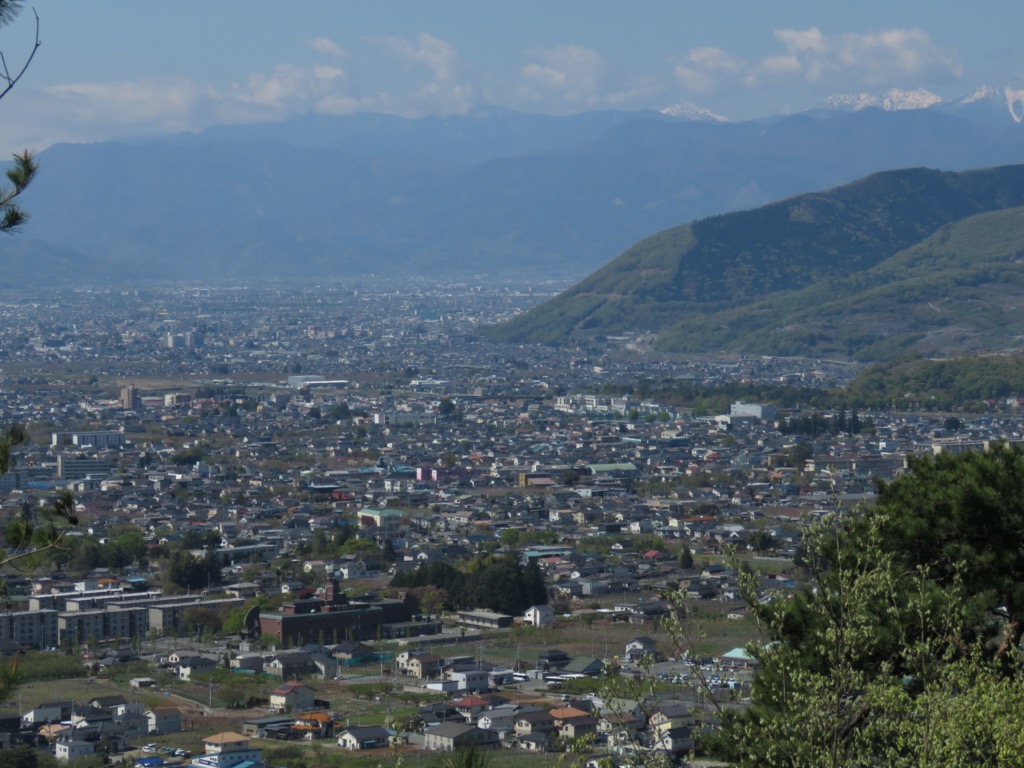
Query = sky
x=114 y=69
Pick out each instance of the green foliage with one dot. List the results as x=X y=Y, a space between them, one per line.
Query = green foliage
x=12 y=436
x=905 y=649
x=188 y=456
x=938 y=384
x=354 y=546
x=24 y=169
x=468 y=757
x=20 y=175
x=190 y=573
x=685 y=558
x=31 y=533
x=498 y=583
x=49 y=666
x=26 y=757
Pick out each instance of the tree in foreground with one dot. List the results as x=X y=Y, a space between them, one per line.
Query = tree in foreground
x=29 y=534
x=24 y=167
x=905 y=648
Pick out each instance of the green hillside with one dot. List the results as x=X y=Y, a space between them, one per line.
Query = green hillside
x=900 y=260
x=960 y=290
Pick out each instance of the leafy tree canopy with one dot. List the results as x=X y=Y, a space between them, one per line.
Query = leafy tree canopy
x=905 y=649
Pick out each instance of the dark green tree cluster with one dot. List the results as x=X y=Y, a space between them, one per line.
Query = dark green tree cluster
x=186 y=572
x=938 y=384
x=905 y=648
x=500 y=584
x=124 y=548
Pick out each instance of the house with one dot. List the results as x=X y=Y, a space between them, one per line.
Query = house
x=561 y=714
x=439 y=712
x=534 y=722
x=190 y=665
x=292 y=697
x=448 y=737
x=503 y=719
x=354 y=569
x=291 y=665
x=314 y=725
x=574 y=728
x=163 y=720
x=227 y=750
x=365 y=737
x=351 y=650
x=424 y=666
x=116 y=703
x=534 y=742
x=672 y=740
x=539 y=616
x=627 y=723
x=470 y=707
x=71 y=749
x=639 y=647
x=469 y=680
x=249 y=661
x=48 y=712
x=671 y=715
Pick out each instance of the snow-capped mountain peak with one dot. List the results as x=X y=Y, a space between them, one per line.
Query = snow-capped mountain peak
x=986 y=103
x=686 y=111
x=890 y=100
x=1009 y=99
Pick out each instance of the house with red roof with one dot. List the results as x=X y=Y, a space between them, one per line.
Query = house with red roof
x=292 y=697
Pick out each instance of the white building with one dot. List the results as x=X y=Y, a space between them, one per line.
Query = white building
x=539 y=616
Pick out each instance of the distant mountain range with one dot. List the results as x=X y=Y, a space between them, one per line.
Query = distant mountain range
x=902 y=261
x=496 y=192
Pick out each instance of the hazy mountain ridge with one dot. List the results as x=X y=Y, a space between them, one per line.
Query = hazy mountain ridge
x=913 y=259
x=494 y=192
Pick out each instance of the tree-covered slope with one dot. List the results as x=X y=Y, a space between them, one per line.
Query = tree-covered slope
x=958 y=291
x=806 y=264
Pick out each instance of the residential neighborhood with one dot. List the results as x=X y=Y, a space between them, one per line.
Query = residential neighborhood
x=300 y=520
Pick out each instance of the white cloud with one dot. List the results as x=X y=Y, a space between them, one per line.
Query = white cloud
x=289 y=86
x=570 y=73
x=893 y=56
x=703 y=67
x=908 y=52
x=442 y=93
x=327 y=47
x=131 y=101
x=439 y=56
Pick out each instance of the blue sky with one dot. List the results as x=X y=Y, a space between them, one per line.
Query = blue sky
x=111 y=69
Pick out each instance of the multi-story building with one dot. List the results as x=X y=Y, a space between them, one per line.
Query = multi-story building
x=131 y=399
x=36 y=628
x=332 y=619
x=77 y=466
x=95 y=439
x=77 y=627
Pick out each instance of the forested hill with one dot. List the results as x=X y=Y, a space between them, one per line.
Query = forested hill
x=899 y=260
